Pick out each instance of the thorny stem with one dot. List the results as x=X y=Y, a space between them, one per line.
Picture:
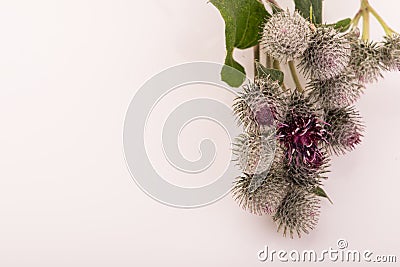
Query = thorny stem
x=295 y=76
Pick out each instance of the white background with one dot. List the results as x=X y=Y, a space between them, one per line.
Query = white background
x=68 y=70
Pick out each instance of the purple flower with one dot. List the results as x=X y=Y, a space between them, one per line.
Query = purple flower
x=301 y=136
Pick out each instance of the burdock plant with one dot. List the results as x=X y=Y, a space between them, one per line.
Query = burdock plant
x=290 y=133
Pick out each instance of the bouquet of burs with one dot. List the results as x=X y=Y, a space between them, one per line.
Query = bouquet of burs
x=290 y=133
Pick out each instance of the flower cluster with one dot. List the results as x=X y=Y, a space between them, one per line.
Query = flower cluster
x=283 y=162
x=290 y=135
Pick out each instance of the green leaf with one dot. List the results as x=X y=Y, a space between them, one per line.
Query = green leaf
x=232 y=72
x=342 y=25
x=321 y=193
x=305 y=7
x=243 y=23
x=273 y=74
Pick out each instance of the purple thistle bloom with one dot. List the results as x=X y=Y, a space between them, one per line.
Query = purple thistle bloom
x=301 y=137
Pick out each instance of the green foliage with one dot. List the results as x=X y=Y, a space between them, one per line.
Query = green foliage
x=243 y=23
x=305 y=7
x=321 y=193
x=232 y=72
x=342 y=25
x=273 y=74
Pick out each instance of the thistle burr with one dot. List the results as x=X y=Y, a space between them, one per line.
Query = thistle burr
x=298 y=213
x=286 y=36
x=327 y=56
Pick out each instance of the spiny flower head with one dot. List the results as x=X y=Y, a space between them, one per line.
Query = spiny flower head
x=301 y=136
x=366 y=61
x=304 y=175
x=256 y=106
x=338 y=92
x=255 y=152
x=327 y=55
x=391 y=52
x=264 y=198
x=272 y=91
x=301 y=131
x=345 y=128
x=299 y=103
x=286 y=35
x=298 y=212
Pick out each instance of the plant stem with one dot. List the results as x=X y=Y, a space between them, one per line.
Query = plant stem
x=356 y=19
x=295 y=76
x=256 y=51
x=365 y=15
x=385 y=27
x=364 y=12
x=268 y=62
x=276 y=65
